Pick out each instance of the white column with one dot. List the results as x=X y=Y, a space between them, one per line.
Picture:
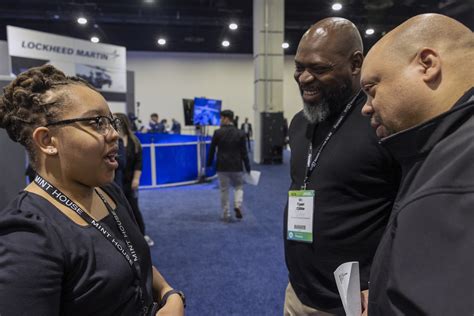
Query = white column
x=268 y=32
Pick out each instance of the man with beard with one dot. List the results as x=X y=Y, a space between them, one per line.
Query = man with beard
x=421 y=102
x=343 y=183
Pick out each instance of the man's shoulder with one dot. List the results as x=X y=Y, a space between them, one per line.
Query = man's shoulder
x=299 y=116
x=217 y=132
x=224 y=129
x=298 y=121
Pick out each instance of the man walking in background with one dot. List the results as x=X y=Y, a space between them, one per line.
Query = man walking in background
x=342 y=182
x=231 y=155
x=419 y=79
x=246 y=127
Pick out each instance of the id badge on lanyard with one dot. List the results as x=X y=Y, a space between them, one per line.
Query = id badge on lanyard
x=300 y=215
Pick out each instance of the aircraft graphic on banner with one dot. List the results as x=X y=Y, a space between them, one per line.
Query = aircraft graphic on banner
x=95 y=75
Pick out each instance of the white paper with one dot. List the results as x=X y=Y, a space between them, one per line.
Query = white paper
x=252 y=178
x=348 y=285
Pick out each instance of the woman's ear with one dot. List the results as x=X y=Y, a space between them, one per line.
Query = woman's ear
x=45 y=141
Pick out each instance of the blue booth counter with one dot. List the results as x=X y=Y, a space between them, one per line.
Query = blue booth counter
x=170 y=159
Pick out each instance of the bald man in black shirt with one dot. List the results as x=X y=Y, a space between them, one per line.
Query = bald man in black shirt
x=352 y=181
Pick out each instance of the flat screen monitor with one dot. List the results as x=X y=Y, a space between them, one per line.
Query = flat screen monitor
x=207 y=111
x=188 y=110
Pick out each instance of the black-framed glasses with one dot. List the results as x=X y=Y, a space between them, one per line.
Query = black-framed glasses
x=101 y=124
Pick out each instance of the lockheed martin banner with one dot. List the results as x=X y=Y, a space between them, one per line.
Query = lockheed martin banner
x=102 y=65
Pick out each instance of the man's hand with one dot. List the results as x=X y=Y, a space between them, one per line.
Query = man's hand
x=364 y=299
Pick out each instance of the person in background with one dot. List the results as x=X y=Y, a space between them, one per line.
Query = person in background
x=343 y=183
x=419 y=81
x=133 y=120
x=284 y=130
x=247 y=129
x=154 y=122
x=132 y=170
x=231 y=155
x=236 y=121
x=155 y=126
x=69 y=242
x=122 y=160
x=164 y=126
x=176 y=127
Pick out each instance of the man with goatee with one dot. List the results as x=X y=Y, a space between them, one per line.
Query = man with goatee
x=342 y=182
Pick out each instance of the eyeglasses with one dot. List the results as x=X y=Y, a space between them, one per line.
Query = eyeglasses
x=101 y=124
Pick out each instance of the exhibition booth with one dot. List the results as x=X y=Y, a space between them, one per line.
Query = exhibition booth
x=170 y=159
x=174 y=159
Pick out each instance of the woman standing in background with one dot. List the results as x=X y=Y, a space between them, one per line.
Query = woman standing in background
x=132 y=170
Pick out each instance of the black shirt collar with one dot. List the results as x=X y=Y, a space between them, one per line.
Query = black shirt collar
x=420 y=139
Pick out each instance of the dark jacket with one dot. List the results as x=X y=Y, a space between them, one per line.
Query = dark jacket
x=122 y=161
x=231 y=149
x=133 y=161
x=176 y=128
x=355 y=182
x=425 y=262
x=242 y=128
x=156 y=127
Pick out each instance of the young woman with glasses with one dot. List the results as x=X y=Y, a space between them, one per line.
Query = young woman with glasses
x=69 y=243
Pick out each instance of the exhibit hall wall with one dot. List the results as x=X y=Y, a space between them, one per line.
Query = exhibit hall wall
x=162 y=80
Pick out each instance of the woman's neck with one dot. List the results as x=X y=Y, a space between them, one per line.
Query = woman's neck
x=77 y=192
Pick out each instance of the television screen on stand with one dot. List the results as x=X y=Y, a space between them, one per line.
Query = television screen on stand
x=207 y=112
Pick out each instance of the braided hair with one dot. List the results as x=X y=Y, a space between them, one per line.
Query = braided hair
x=35 y=98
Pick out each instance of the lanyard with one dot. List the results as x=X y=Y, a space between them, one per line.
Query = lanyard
x=131 y=256
x=310 y=166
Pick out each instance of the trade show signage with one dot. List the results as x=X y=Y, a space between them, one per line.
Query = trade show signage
x=102 y=65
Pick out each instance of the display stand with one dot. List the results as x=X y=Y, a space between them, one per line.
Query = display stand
x=170 y=159
x=201 y=133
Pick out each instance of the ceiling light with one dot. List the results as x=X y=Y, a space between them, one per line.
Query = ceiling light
x=82 y=20
x=233 y=26
x=337 y=6
x=369 y=31
x=285 y=45
x=161 y=41
x=56 y=16
x=149 y=1
x=225 y=43
x=95 y=39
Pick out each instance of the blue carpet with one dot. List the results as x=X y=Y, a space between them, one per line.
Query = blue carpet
x=235 y=268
